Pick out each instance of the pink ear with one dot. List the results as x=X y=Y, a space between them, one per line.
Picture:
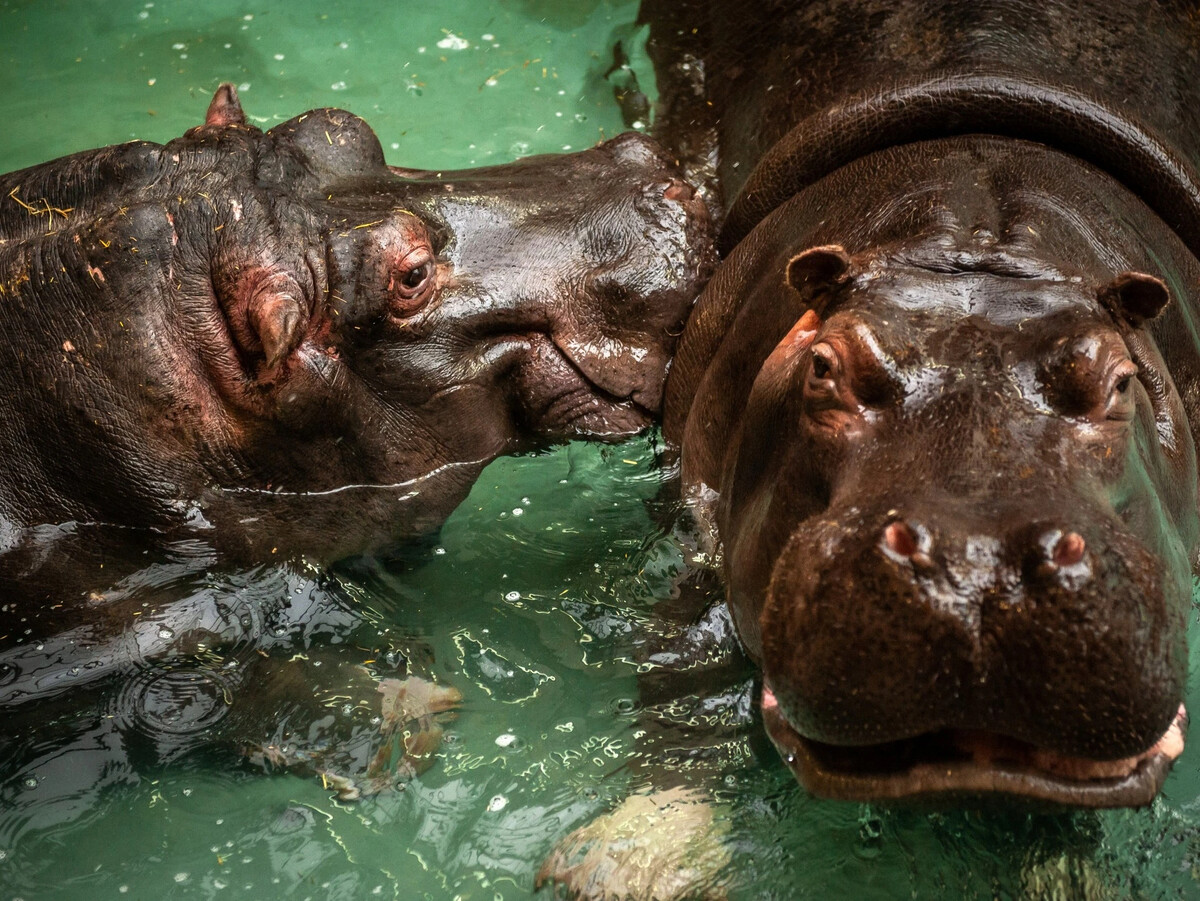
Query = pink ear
x=1135 y=297
x=225 y=108
x=778 y=366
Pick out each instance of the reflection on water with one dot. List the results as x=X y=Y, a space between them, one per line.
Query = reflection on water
x=183 y=735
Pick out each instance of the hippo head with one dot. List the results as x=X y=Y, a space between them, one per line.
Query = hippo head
x=926 y=412
x=275 y=335
x=953 y=494
x=462 y=315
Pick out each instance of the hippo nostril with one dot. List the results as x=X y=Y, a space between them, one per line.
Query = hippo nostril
x=1069 y=550
x=901 y=539
x=679 y=191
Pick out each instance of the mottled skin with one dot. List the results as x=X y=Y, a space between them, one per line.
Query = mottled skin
x=274 y=342
x=938 y=406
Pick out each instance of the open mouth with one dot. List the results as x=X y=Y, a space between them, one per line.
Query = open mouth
x=971 y=762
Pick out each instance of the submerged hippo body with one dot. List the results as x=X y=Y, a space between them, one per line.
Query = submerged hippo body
x=275 y=342
x=939 y=403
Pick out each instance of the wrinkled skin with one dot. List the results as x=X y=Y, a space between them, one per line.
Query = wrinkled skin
x=243 y=346
x=938 y=405
x=275 y=343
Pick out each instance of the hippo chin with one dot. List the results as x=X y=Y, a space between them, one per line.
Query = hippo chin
x=276 y=342
x=938 y=405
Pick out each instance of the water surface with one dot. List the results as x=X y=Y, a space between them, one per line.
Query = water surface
x=531 y=601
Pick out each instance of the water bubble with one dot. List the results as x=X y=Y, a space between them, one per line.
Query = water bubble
x=181 y=877
x=623 y=706
x=165 y=632
x=279 y=57
x=498 y=802
x=488 y=37
x=591 y=794
x=513 y=596
x=507 y=740
x=518 y=511
x=338 y=86
x=30 y=782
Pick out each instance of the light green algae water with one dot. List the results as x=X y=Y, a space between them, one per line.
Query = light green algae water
x=534 y=593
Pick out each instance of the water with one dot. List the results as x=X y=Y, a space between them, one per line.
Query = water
x=530 y=602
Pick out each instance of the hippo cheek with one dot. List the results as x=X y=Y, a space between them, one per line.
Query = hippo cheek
x=885 y=678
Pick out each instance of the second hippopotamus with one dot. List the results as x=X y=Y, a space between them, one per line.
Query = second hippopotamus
x=274 y=341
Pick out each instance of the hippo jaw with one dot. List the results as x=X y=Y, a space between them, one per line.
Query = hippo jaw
x=971 y=762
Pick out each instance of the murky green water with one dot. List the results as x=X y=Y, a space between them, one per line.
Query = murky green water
x=532 y=598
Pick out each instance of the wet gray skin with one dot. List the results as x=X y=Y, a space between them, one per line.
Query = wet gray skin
x=273 y=342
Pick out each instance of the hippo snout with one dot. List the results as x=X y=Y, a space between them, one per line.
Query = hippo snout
x=1055 y=634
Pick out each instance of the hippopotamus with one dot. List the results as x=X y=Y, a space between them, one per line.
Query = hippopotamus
x=274 y=342
x=937 y=409
x=936 y=412
x=240 y=355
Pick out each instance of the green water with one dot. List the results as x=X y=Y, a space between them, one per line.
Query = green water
x=534 y=593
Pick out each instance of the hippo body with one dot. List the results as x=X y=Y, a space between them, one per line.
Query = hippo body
x=241 y=354
x=937 y=408
x=275 y=343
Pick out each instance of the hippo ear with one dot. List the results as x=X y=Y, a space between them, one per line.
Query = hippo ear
x=265 y=309
x=818 y=269
x=1135 y=297
x=225 y=108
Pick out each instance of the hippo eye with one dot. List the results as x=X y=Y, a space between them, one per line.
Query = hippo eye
x=823 y=362
x=1121 y=400
x=412 y=281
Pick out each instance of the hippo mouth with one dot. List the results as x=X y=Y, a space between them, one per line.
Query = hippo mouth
x=971 y=762
x=567 y=395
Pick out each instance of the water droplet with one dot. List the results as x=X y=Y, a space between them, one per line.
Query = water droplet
x=506 y=740
x=498 y=802
x=30 y=782
x=513 y=596
x=165 y=632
